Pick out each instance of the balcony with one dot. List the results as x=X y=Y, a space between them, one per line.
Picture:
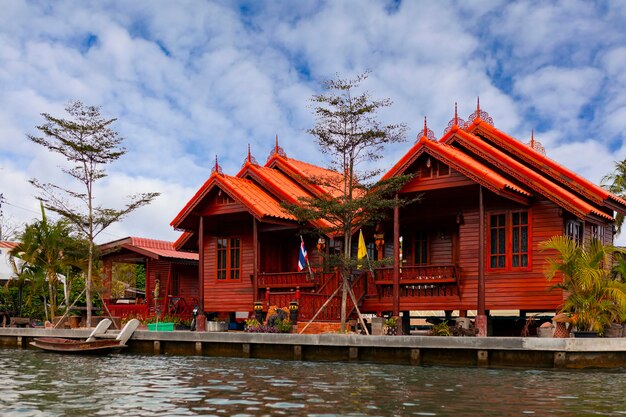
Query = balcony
x=287 y=280
x=419 y=281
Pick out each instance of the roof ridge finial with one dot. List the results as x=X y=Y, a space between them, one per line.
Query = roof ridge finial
x=249 y=155
x=277 y=147
x=532 y=138
x=216 y=168
x=478 y=106
x=456 y=115
x=425 y=126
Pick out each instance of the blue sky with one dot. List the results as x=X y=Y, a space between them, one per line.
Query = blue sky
x=189 y=80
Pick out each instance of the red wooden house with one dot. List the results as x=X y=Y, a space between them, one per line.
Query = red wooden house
x=249 y=244
x=170 y=286
x=470 y=243
x=488 y=201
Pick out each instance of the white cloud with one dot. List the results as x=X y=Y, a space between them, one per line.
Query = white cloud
x=189 y=80
x=559 y=93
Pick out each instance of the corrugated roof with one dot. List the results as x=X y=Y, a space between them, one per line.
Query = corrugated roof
x=158 y=248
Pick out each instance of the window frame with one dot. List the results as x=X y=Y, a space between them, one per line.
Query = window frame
x=421 y=247
x=508 y=241
x=225 y=253
x=580 y=227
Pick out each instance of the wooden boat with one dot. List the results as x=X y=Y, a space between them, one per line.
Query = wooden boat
x=98 y=341
x=58 y=344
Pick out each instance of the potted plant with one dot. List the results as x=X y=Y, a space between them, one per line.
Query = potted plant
x=593 y=297
x=441 y=329
x=391 y=326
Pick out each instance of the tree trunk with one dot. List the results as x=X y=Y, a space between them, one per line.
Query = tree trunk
x=344 y=298
x=51 y=295
x=88 y=283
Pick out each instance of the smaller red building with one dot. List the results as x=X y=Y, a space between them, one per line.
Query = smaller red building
x=143 y=277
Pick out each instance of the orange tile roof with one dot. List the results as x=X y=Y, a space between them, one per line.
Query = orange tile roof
x=526 y=175
x=253 y=197
x=459 y=161
x=280 y=183
x=284 y=187
x=150 y=247
x=302 y=172
x=194 y=201
x=556 y=171
x=464 y=162
x=257 y=200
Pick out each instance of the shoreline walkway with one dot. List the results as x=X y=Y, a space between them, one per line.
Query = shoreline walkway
x=497 y=352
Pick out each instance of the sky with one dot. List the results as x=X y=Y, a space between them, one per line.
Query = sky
x=189 y=81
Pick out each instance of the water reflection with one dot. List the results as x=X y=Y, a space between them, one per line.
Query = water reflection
x=45 y=384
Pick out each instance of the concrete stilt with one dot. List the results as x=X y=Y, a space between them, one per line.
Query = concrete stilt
x=416 y=357
x=483 y=357
x=297 y=352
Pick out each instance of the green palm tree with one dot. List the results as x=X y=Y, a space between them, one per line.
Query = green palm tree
x=42 y=244
x=24 y=274
x=616 y=183
x=594 y=297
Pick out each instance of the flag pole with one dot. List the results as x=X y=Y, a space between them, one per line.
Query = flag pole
x=307 y=261
x=369 y=263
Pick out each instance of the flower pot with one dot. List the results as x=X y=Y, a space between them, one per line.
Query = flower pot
x=613 y=330
x=391 y=330
x=216 y=326
x=546 y=331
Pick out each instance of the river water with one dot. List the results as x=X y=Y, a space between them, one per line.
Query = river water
x=35 y=383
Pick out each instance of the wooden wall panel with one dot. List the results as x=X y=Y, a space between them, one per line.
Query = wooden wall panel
x=187 y=282
x=441 y=248
x=228 y=295
x=455 y=179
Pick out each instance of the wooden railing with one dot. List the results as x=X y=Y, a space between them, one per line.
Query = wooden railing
x=287 y=280
x=416 y=275
x=312 y=295
x=125 y=310
x=418 y=281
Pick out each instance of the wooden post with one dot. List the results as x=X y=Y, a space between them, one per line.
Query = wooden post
x=396 y=260
x=255 y=256
x=168 y=290
x=200 y=319
x=481 y=319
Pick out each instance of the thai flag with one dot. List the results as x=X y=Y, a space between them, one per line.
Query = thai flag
x=303 y=259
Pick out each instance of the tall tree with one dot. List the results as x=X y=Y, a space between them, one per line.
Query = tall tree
x=347 y=129
x=87 y=141
x=616 y=183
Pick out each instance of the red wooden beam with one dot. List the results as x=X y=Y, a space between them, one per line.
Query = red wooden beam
x=396 y=260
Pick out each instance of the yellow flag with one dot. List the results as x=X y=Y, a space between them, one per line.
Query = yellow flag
x=362 y=253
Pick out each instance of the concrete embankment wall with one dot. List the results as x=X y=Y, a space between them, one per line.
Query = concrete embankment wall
x=529 y=352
